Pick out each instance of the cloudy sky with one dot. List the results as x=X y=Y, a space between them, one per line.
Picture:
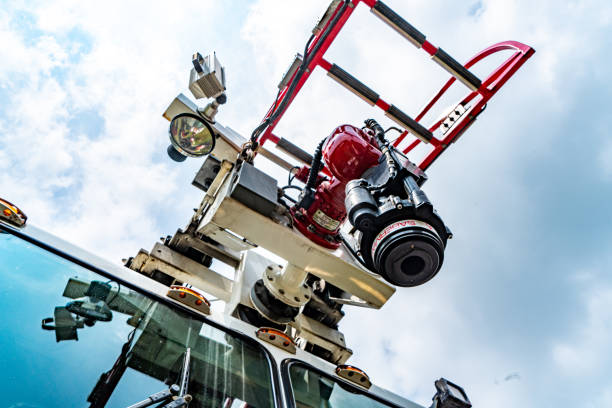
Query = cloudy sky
x=521 y=313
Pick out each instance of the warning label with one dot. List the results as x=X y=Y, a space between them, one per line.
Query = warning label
x=325 y=220
x=397 y=226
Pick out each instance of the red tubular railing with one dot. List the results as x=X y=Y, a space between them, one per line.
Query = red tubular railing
x=482 y=91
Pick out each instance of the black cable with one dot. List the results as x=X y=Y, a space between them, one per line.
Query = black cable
x=291 y=187
x=289 y=94
x=394 y=128
x=272 y=115
x=355 y=255
x=315 y=166
x=306 y=59
x=383 y=144
x=290 y=199
x=400 y=131
x=291 y=176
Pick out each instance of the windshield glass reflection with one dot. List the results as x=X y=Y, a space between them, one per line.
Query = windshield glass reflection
x=313 y=390
x=72 y=338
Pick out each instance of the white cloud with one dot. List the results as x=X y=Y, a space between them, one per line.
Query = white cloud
x=113 y=183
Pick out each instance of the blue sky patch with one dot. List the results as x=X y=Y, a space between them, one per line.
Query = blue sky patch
x=86 y=122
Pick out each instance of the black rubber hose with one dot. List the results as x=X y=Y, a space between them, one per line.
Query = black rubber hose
x=383 y=144
x=278 y=110
x=315 y=166
x=354 y=254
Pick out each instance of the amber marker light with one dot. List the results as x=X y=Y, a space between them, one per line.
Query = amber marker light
x=276 y=338
x=190 y=298
x=11 y=214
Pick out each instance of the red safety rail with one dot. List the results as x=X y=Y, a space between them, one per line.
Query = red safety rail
x=480 y=92
x=489 y=87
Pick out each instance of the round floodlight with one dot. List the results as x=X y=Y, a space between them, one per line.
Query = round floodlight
x=191 y=136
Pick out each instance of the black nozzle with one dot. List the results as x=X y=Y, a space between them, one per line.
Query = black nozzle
x=408 y=255
x=221 y=99
x=361 y=207
x=175 y=154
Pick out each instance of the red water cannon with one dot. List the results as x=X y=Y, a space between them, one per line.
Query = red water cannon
x=348 y=152
x=396 y=231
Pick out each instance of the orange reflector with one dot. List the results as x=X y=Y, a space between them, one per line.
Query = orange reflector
x=276 y=338
x=190 y=298
x=354 y=375
x=12 y=214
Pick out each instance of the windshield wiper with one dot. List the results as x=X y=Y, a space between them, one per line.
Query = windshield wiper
x=176 y=395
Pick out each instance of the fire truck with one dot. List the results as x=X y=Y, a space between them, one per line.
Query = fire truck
x=351 y=226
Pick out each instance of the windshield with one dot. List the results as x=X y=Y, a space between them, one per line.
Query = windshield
x=72 y=338
x=313 y=390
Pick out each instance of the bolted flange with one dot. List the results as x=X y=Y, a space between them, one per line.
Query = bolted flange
x=288 y=284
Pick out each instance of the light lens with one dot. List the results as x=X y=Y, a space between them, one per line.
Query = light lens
x=191 y=135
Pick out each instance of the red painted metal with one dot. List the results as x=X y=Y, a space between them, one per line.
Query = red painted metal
x=382 y=104
x=489 y=87
x=440 y=143
x=348 y=153
x=429 y=47
x=325 y=64
x=272 y=137
x=314 y=61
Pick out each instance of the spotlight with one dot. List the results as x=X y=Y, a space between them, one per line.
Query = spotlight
x=449 y=395
x=65 y=324
x=92 y=307
x=190 y=136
